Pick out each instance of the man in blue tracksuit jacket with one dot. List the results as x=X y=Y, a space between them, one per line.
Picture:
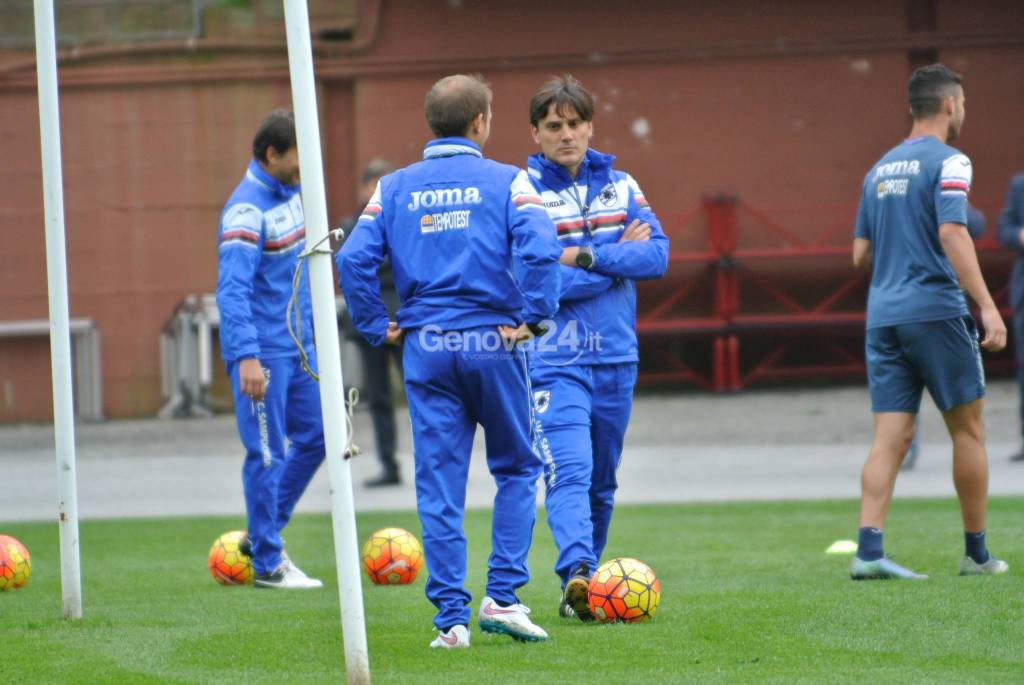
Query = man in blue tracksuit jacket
x=475 y=263
x=261 y=234
x=583 y=370
x=1011 y=234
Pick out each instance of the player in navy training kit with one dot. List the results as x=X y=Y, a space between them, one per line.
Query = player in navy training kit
x=475 y=262
x=911 y=233
x=262 y=232
x=584 y=369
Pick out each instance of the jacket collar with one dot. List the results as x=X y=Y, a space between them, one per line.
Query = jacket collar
x=256 y=174
x=596 y=169
x=448 y=147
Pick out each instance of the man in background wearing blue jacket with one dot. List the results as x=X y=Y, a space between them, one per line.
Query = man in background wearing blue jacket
x=584 y=368
x=262 y=232
x=1011 y=234
x=475 y=262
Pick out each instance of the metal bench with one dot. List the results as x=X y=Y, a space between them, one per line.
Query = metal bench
x=87 y=359
x=187 y=356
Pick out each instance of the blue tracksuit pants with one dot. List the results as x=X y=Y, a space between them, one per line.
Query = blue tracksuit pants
x=452 y=387
x=273 y=479
x=582 y=413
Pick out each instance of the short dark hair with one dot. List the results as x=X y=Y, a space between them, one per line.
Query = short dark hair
x=277 y=131
x=454 y=102
x=928 y=87
x=564 y=91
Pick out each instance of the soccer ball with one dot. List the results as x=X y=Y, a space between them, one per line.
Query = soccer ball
x=623 y=589
x=392 y=556
x=15 y=563
x=228 y=565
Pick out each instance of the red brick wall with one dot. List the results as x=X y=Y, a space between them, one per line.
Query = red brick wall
x=786 y=107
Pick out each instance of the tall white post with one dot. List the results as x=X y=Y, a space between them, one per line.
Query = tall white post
x=325 y=324
x=60 y=336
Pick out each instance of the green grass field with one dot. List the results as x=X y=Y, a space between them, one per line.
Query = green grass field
x=748 y=596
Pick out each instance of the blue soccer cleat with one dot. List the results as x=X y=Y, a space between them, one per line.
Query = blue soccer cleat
x=882 y=569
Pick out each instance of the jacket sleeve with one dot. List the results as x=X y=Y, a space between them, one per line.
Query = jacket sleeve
x=1011 y=221
x=579 y=284
x=637 y=261
x=357 y=262
x=976 y=223
x=238 y=256
x=535 y=251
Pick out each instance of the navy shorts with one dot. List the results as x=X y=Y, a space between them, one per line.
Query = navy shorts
x=941 y=355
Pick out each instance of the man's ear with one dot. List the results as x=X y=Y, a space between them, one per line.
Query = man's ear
x=535 y=132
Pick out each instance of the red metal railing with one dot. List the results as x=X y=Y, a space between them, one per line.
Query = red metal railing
x=794 y=305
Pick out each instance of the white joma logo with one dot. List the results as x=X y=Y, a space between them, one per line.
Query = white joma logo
x=900 y=168
x=444 y=197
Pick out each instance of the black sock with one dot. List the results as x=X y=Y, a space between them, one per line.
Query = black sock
x=869 y=545
x=974 y=546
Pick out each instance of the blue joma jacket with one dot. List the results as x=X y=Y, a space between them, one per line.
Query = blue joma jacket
x=262 y=232
x=596 y=320
x=469 y=241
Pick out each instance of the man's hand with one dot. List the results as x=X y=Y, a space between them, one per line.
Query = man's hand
x=515 y=334
x=569 y=256
x=862 y=254
x=253 y=383
x=393 y=336
x=636 y=232
x=995 y=329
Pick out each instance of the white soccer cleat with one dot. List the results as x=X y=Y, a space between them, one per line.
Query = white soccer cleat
x=457 y=637
x=513 y=621
x=284 y=577
x=290 y=567
x=992 y=567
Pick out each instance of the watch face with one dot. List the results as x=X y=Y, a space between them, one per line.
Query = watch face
x=584 y=260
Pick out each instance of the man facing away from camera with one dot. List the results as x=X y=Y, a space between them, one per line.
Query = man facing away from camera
x=262 y=232
x=912 y=234
x=475 y=261
x=376 y=386
x=584 y=369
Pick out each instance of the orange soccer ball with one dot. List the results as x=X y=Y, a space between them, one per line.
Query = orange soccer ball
x=15 y=563
x=392 y=556
x=228 y=565
x=623 y=589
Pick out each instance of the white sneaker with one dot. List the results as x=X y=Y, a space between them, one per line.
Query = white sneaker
x=992 y=567
x=284 y=577
x=457 y=637
x=513 y=621
x=290 y=567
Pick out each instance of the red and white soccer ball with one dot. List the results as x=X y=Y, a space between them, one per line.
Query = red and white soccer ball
x=392 y=556
x=228 y=565
x=15 y=563
x=623 y=589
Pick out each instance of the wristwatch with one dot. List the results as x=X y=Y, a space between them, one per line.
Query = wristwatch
x=585 y=257
x=537 y=329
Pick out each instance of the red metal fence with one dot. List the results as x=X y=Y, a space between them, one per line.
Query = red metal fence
x=761 y=302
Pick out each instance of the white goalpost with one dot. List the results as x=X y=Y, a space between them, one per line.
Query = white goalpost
x=57 y=287
x=300 y=57
x=325 y=325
